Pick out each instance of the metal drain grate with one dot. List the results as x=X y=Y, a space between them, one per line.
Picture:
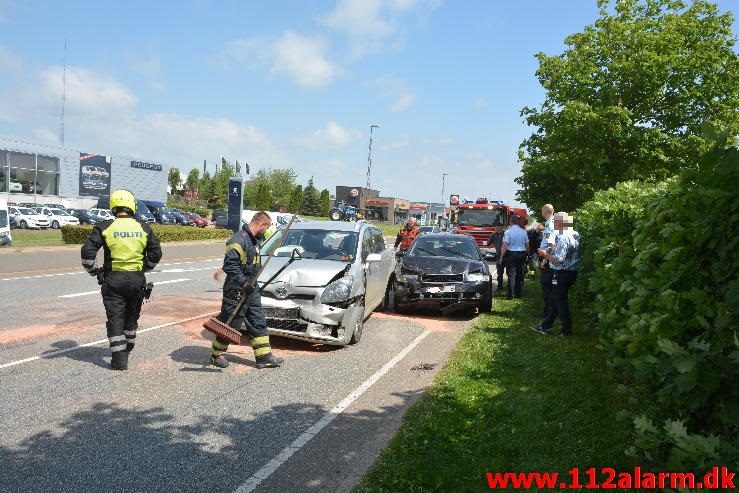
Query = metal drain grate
x=424 y=367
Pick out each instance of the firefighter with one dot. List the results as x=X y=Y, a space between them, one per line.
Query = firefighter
x=241 y=265
x=131 y=248
x=407 y=234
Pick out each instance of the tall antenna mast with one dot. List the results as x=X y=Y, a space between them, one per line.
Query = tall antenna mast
x=64 y=92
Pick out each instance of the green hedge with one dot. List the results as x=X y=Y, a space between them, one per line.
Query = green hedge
x=661 y=268
x=76 y=235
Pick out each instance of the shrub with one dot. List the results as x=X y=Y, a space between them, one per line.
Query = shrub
x=77 y=235
x=663 y=284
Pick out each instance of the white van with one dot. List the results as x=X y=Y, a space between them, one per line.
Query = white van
x=5 y=238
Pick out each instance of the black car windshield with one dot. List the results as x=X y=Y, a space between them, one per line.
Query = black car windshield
x=315 y=244
x=3 y=219
x=447 y=246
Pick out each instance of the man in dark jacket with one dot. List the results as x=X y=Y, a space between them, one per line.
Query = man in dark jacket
x=241 y=264
x=131 y=248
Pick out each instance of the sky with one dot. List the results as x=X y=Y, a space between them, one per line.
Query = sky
x=291 y=84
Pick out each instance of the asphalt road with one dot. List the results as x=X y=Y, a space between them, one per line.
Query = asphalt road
x=172 y=423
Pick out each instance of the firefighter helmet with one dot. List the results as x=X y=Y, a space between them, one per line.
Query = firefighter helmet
x=122 y=199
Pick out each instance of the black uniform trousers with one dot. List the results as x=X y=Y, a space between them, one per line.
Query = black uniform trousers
x=559 y=305
x=123 y=294
x=514 y=262
x=500 y=269
x=546 y=287
x=251 y=312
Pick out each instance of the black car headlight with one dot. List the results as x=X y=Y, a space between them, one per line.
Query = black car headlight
x=478 y=277
x=407 y=275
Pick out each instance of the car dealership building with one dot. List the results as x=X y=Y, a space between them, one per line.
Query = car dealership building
x=44 y=174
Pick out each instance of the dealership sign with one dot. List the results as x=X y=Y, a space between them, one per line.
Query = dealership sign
x=149 y=166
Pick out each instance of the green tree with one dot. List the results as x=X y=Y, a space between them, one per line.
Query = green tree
x=628 y=99
x=263 y=198
x=311 y=200
x=296 y=199
x=325 y=202
x=174 y=179
x=193 y=179
x=279 y=182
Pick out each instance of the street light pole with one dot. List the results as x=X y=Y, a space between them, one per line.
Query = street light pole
x=443 y=177
x=369 y=157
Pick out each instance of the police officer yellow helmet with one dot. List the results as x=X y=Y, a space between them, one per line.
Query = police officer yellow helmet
x=122 y=199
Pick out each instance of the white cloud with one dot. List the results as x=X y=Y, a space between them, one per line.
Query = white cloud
x=445 y=141
x=302 y=58
x=480 y=103
x=397 y=90
x=370 y=24
x=402 y=143
x=103 y=116
x=403 y=102
x=333 y=136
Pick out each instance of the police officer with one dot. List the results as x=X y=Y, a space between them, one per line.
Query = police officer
x=513 y=251
x=241 y=265
x=548 y=238
x=565 y=261
x=131 y=248
x=407 y=234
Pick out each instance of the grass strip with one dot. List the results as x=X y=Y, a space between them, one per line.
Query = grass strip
x=23 y=238
x=508 y=399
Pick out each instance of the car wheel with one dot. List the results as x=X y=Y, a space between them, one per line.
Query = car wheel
x=358 y=328
x=486 y=303
x=24 y=225
x=55 y=225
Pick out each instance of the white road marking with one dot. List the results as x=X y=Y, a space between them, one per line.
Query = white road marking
x=101 y=341
x=270 y=467
x=76 y=273
x=75 y=295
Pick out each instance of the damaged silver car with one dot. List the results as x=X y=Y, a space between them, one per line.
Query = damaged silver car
x=324 y=280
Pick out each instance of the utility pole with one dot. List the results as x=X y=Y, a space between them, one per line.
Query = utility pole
x=369 y=157
x=64 y=97
x=443 y=177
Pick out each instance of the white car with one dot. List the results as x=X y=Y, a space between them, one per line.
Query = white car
x=58 y=217
x=15 y=186
x=104 y=213
x=325 y=280
x=24 y=217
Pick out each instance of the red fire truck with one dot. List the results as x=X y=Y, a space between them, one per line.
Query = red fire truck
x=480 y=219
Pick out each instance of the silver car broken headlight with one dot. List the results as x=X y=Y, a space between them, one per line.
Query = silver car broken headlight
x=338 y=291
x=477 y=277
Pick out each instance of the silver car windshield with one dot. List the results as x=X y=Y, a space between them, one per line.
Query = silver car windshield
x=315 y=244
x=27 y=212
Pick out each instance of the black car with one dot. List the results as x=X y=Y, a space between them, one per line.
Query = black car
x=182 y=219
x=220 y=218
x=85 y=216
x=444 y=271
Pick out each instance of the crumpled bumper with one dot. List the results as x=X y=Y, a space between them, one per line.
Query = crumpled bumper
x=310 y=320
x=443 y=296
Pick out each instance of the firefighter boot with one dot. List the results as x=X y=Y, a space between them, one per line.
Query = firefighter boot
x=268 y=360
x=218 y=353
x=119 y=360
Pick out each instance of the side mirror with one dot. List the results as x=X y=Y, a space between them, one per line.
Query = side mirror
x=373 y=257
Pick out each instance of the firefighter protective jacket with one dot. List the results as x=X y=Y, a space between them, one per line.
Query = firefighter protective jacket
x=241 y=258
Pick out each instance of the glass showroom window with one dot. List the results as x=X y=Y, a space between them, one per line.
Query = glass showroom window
x=3 y=170
x=47 y=178
x=22 y=172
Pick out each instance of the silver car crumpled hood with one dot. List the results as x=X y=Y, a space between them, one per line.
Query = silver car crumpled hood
x=301 y=273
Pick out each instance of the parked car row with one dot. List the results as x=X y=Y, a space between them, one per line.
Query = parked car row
x=39 y=217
